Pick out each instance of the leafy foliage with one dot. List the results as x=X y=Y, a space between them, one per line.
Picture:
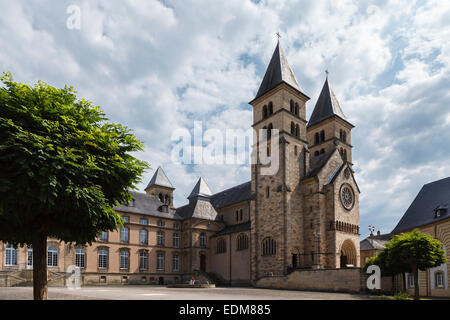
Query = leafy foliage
x=62 y=165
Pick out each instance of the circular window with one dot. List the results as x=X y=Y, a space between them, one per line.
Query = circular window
x=347 y=196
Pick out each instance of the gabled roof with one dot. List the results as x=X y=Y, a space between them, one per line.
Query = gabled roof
x=198 y=208
x=148 y=205
x=233 y=195
x=432 y=196
x=374 y=243
x=201 y=189
x=160 y=179
x=318 y=162
x=277 y=72
x=326 y=107
x=234 y=228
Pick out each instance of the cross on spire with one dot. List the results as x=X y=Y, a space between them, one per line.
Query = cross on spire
x=278 y=35
x=326 y=71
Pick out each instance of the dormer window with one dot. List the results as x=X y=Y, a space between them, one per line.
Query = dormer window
x=164 y=208
x=440 y=210
x=131 y=203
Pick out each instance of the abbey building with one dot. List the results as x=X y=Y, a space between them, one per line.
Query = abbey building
x=305 y=215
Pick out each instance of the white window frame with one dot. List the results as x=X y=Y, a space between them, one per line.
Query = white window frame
x=143 y=236
x=124 y=235
x=160 y=238
x=80 y=258
x=103 y=236
x=103 y=259
x=202 y=240
x=175 y=263
x=52 y=256
x=143 y=221
x=124 y=259
x=11 y=255
x=176 y=240
x=143 y=260
x=160 y=261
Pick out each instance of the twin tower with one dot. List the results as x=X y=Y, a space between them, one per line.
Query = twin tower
x=307 y=213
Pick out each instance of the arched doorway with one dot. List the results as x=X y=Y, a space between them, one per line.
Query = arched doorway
x=347 y=254
x=202 y=262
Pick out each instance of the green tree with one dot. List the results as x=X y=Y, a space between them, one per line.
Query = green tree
x=63 y=167
x=414 y=251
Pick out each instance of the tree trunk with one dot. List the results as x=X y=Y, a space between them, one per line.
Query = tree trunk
x=416 y=283
x=40 y=267
x=404 y=282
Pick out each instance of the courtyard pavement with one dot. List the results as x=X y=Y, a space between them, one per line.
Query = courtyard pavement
x=163 y=293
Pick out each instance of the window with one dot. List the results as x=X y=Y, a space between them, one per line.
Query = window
x=143 y=260
x=267 y=192
x=175 y=263
x=316 y=138
x=11 y=255
x=241 y=215
x=30 y=258
x=269 y=131
x=344 y=136
x=176 y=240
x=124 y=232
x=103 y=236
x=265 y=113
x=52 y=257
x=292 y=106
x=292 y=128
x=296 y=108
x=316 y=153
x=126 y=219
x=269 y=247
x=221 y=246
x=439 y=279
x=297 y=130
x=270 y=108
x=124 y=259
x=160 y=261
x=143 y=235
x=202 y=240
x=411 y=280
x=80 y=258
x=176 y=226
x=161 y=197
x=102 y=259
x=144 y=221
x=160 y=238
x=160 y=223
x=131 y=203
x=322 y=136
x=322 y=151
x=242 y=242
x=295 y=150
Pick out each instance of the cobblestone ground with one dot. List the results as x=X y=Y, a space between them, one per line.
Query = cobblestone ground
x=163 y=293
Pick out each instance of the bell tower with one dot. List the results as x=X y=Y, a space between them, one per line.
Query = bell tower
x=328 y=127
x=279 y=106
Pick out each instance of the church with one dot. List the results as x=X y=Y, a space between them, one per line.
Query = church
x=303 y=216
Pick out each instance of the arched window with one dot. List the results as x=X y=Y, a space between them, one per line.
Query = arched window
x=439 y=279
x=322 y=151
x=203 y=240
x=80 y=258
x=221 y=246
x=341 y=152
x=242 y=242
x=316 y=138
x=292 y=128
x=265 y=114
x=11 y=255
x=295 y=150
x=341 y=135
x=240 y=215
x=269 y=247
x=52 y=257
x=292 y=106
x=102 y=259
x=344 y=136
x=345 y=155
x=143 y=235
x=296 y=108
x=270 y=108
x=143 y=260
x=166 y=199
x=316 y=153
x=297 y=130
x=161 y=197
x=160 y=238
x=269 y=130
x=322 y=136
x=237 y=215
x=176 y=240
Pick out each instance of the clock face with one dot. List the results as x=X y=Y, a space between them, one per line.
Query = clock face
x=347 y=196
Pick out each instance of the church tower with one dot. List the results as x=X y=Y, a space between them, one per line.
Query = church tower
x=328 y=127
x=161 y=187
x=275 y=207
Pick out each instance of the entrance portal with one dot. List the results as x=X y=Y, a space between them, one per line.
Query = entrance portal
x=348 y=254
x=202 y=262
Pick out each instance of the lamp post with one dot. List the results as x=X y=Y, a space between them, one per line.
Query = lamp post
x=317 y=237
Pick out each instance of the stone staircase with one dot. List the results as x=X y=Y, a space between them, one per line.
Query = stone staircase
x=211 y=277
x=24 y=278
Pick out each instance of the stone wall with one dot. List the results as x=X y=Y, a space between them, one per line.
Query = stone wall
x=337 y=280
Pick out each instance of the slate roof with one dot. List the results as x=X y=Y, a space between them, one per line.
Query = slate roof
x=422 y=210
x=374 y=244
x=201 y=189
x=148 y=205
x=277 y=72
x=233 y=229
x=239 y=193
x=198 y=208
x=160 y=179
x=317 y=163
x=326 y=107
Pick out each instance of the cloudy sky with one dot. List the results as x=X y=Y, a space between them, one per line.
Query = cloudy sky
x=160 y=65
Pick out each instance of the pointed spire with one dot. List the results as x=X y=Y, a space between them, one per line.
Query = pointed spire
x=277 y=72
x=327 y=106
x=201 y=189
x=160 y=179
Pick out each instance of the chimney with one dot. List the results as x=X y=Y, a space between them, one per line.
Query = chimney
x=371 y=235
x=378 y=234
